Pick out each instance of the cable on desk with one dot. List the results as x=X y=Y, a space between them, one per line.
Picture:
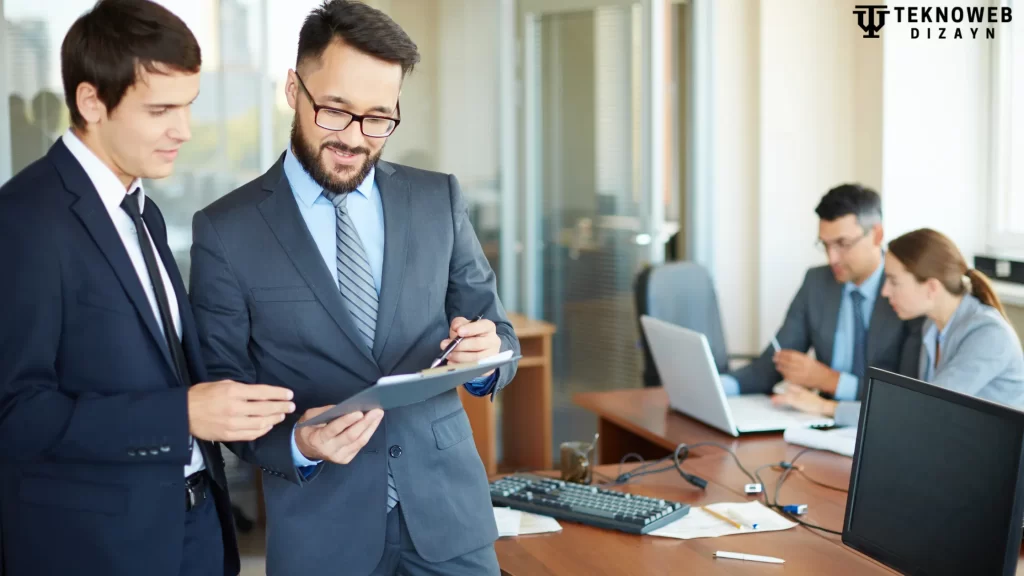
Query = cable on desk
x=822 y=484
x=789 y=467
x=678 y=456
x=682 y=451
x=725 y=448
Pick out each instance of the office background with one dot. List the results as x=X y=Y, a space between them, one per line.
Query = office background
x=588 y=134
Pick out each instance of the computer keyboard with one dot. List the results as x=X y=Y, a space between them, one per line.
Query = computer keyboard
x=585 y=504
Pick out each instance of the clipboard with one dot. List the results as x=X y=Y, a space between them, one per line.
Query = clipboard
x=405 y=389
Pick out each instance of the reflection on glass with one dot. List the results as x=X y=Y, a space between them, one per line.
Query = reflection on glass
x=591 y=200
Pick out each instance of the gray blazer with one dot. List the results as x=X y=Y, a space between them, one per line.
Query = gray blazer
x=981 y=356
x=892 y=344
x=269 y=311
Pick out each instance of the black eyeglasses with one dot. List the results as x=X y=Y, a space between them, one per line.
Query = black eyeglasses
x=841 y=245
x=337 y=120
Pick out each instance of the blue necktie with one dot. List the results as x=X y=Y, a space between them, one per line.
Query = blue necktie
x=859 y=335
x=358 y=290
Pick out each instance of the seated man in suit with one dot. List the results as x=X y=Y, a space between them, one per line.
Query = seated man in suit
x=838 y=311
x=968 y=344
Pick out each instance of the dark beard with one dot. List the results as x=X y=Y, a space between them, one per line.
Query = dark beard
x=308 y=156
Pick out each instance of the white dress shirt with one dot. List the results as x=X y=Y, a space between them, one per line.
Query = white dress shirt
x=112 y=193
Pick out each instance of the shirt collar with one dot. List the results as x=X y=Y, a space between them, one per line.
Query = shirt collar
x=107 y=184
x=306 y=189
x=869 y=289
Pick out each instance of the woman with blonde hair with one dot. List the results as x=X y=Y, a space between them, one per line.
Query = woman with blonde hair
x=967 y=343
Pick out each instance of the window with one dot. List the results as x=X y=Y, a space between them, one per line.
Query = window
x=1007 y=230
x=241 y=120
x=225 y=148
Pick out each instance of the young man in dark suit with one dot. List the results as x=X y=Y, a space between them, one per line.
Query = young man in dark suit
x=107 y=424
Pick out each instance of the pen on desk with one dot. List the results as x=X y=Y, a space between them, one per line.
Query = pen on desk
x=722 y=517
x=749 y=557
x=451 y=346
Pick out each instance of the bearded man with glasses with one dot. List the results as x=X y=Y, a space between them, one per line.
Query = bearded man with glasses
x=336 y=268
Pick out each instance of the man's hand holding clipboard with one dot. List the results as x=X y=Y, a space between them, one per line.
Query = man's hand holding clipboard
x=319 y=437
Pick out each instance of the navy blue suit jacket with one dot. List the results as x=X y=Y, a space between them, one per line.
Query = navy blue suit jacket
x=93 y=422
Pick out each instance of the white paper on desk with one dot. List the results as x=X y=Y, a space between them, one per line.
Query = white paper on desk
x=839 y=440
x=536 y=524
x=515 y=523
x=508 y=521
x=700 y=524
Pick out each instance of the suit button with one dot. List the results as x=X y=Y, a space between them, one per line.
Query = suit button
x=395 y=451
x=131 y=452
x=165 y=449
x=153 y=451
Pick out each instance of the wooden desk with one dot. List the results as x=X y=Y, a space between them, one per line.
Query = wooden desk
x=525 y=406
x=640 y=421
x=580 y=549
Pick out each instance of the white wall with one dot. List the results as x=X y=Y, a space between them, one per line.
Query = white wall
x=735 y=173
x=808 y=128
x=467 y=103
x=824 y=106
x=795 y=114
x=936 y=136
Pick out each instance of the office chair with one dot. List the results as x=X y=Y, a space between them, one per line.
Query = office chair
x=681 y=293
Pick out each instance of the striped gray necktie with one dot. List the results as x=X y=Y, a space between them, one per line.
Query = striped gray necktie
x=358 y=289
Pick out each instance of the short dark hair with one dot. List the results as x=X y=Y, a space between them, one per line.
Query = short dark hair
x=846 y=199
x=360 y=26
x=108 y=46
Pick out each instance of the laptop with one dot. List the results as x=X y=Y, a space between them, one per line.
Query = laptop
x=688 y=373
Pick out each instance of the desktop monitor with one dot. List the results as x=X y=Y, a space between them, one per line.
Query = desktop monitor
x=937 y=480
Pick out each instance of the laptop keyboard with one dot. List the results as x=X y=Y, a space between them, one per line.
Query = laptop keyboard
x=756 y=412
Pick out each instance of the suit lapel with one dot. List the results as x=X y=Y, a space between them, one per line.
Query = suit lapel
x=282 y=215
x=833 y=298
x=93 y=215
x=883 y=322
x=395 y=198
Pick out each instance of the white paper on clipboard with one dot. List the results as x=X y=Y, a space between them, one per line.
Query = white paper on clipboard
x=404 y=389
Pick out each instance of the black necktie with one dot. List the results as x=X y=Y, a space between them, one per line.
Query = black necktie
x=130 y=204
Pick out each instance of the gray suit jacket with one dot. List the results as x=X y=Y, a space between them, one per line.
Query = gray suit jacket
x=269 y=311
x=980 y=356
x=892 y=344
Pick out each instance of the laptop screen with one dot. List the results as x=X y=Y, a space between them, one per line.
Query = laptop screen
x=936 y=479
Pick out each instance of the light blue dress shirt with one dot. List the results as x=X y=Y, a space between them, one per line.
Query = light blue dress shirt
x=367 y=213
x=842 y=346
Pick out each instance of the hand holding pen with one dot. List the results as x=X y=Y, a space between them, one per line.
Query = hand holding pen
x=469 y=341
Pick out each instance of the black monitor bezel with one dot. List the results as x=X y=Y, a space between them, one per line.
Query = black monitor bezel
x=864 y=545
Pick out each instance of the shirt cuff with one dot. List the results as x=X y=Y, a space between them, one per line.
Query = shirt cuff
x=847 y=387
x=483 y=385
x=730 y=385
x=304 y=464
x=847 y=414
